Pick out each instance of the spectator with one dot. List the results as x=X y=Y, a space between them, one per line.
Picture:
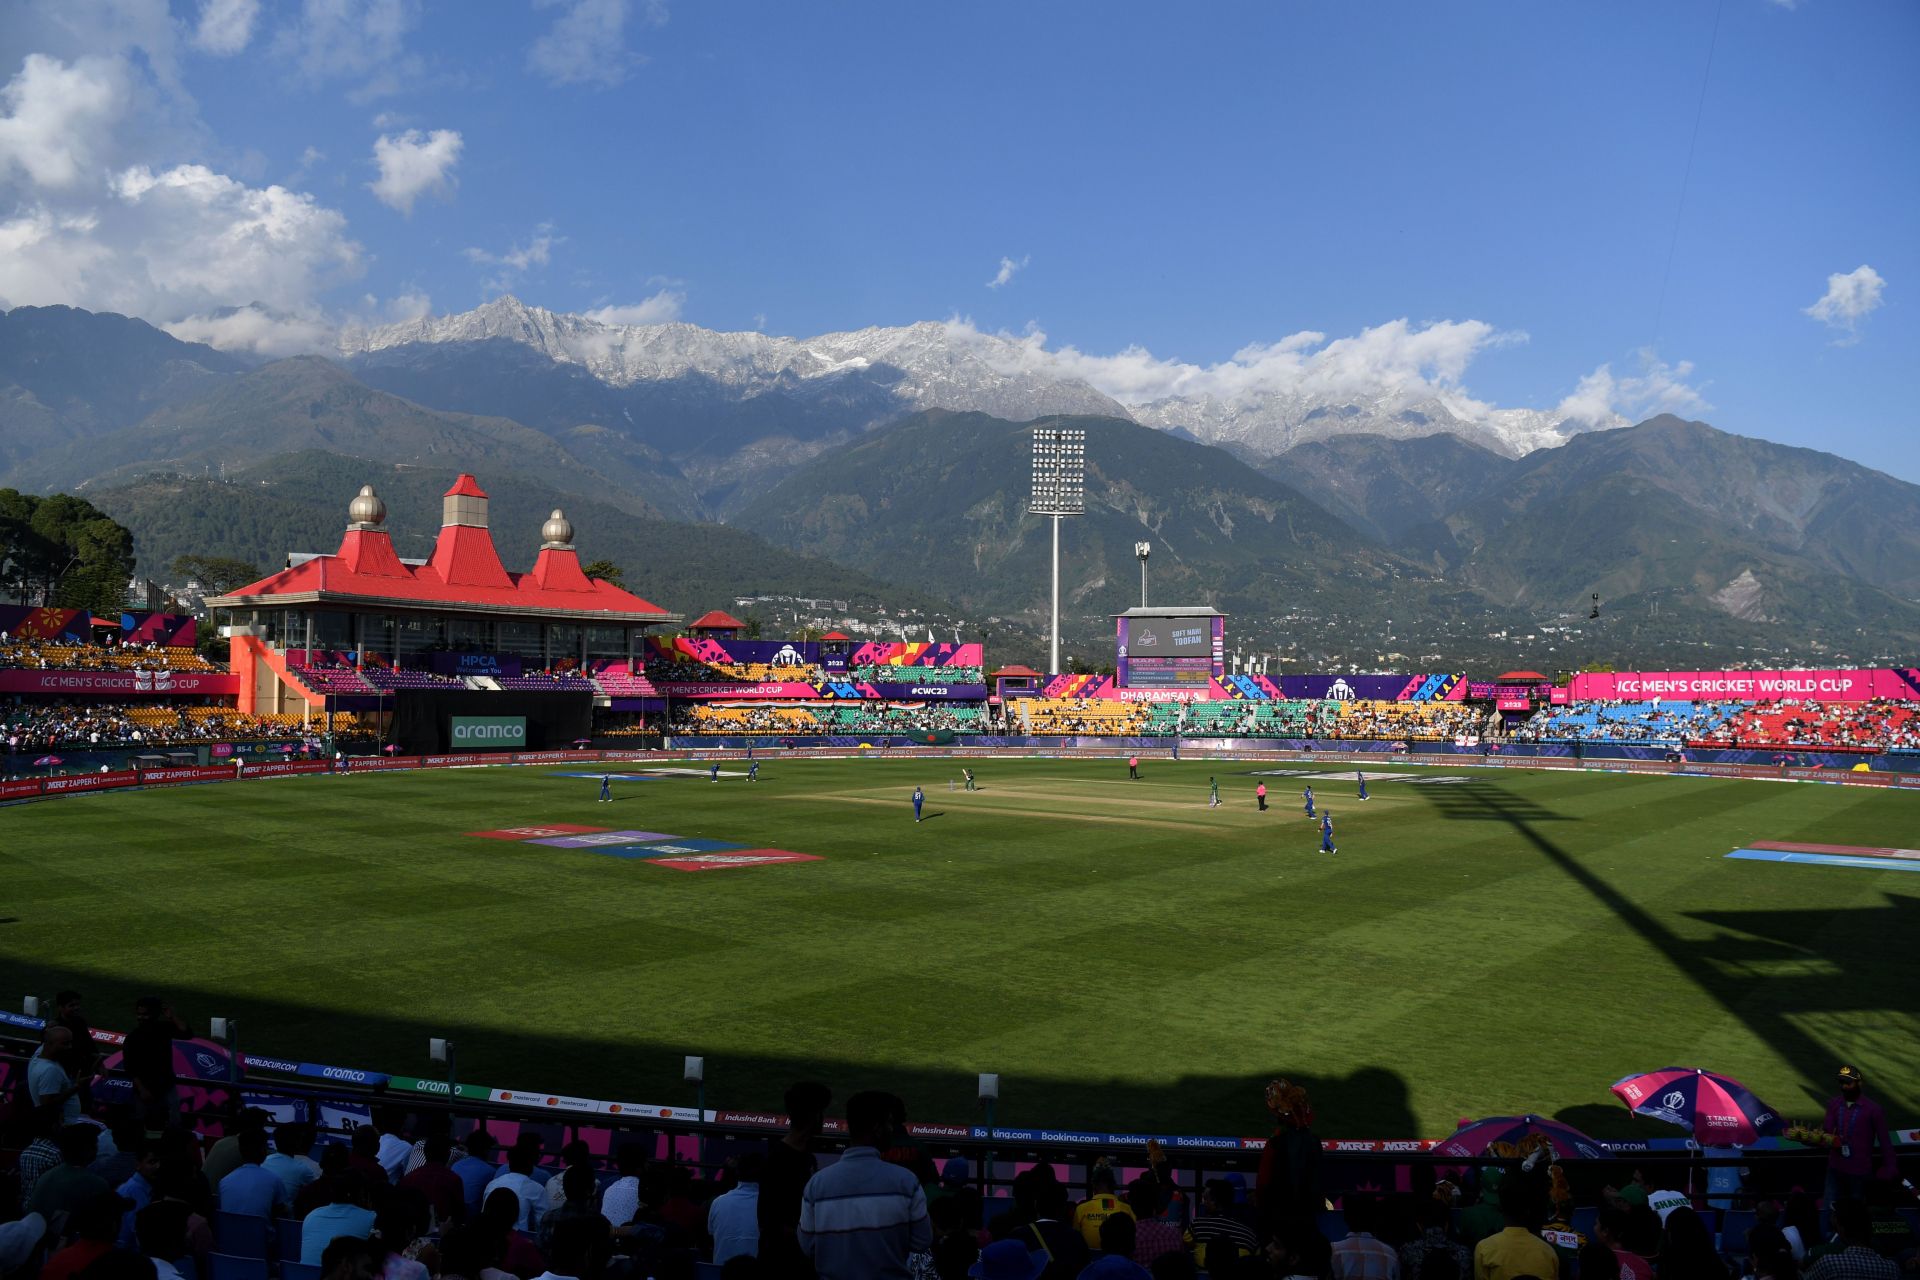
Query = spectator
x=250 y=1189
x=518 y=1178
x=344 y=1214
x=1218 y=1223
x=790 y=1165
x=621 y=1199
x=397 y=1228
x=161 y=1234
x=224 y=1156
x=860 y=1218
x=1856 y=1258
x=1598 y=1262
x=1800 y=1224
x=69 y=1185
x=956 y=1242
x=579 y=1249
x=1516 y=1251
x=573 y=1153
x=579 y=1198
x=125 y=1138
x=137 y=1190
x=94 y=1227
x=1007 y=1260
x=42 y=1152
x=1101 y=1203
x=1288 y=1186
x=1117 y=1244
x=363 y=1158
x=147 y=1058
x=333 y=1165
x=437 y=1123
x=1686 y=1249
x=1050 y=1231
x=498 y=1213
x=444 y=1189
x=1434 y=1218
x=733 y=1220
x=67 y=1012
x=395 y=1151
x=475 y=1169
x=290 y=1161
x=1300 y=1252
x=49 y=1074
x=347 y=1258
x=1858 y=1127
x=1154 y=1235
x=1360 y=1256
x=1613 y=1230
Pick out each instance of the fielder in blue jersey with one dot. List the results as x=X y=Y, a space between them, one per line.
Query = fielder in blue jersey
x=919 y=798
x=713 y=772
x=753 y=773
x=606 y=788
x=1326 y=834
x=1309 y=795
x=1363 y=783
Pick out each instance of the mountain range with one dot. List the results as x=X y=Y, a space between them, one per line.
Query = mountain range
x=895 y=461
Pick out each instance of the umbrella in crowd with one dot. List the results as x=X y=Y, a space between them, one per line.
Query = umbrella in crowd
x=192 y=1060
x=391 y=748
x=581 y=742
x=1471 y=1140
x=49 y=761
x=1720 y=1111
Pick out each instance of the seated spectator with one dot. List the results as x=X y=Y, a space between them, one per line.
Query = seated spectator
x=1686 y=1249
x=344 y=1214
x=94 y=1227
x=1220 y=1222
x=1517 y=1250
x=580 y=1198
x=1598 y=1262
x=518 y=1178
x=476 y=1169
x=444 y=1189
x=137 y=1190
x=333 y=1164
x=579 y=1249
x=291 y=1161
x=347 y=1258
x=1116 y=1252
x=622 y=1196
x=224 y=1156
x=498 y=1214
x=1855 y=1259
x=733 y=1219
x=1155 y=1235
x=1361 y=1256
x=396 y=1235
x=1101 y=1203
x=573 y=1153
x=1613 y=1229
x=161 y=1233
x=69 y=1185
x=250 y=1189
x=1435 y=1219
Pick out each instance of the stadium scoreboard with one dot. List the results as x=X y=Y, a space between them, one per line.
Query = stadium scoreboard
x=1180 y=650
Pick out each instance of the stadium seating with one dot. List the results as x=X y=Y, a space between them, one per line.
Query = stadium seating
x=1381 y=721
x=35 y=655
x=551 y=682
x=1104 y=716
x=1880 y=725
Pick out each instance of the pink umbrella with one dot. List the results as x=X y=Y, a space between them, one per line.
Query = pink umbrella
x=391 y=748
x=1471 y=1140
x=1720 y=1110
x=49 y=760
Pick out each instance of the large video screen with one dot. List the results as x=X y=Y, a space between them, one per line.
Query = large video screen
x=1151 y=637
x=1169 y=673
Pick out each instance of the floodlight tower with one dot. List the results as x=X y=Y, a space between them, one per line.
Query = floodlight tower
x=1141 y=551
x=1059 y=490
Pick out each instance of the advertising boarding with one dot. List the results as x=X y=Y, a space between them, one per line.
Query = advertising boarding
x=487 y=733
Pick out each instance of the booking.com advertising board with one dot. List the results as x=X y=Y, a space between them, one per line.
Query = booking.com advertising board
x=487 y=733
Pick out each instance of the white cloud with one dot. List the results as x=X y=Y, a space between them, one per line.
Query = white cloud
x=59 y=118
x=1007 y=267
x=516 y=260
x=587 y=43
x=415 y=163
x=662 y=308
x=1849 y=299
x=1395 y=357
x=362 y=40
x=1603 y=398
x=226 y=26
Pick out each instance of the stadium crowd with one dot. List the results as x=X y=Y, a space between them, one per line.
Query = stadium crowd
x=33 y=726
x=139 y=1192
x=41 y=655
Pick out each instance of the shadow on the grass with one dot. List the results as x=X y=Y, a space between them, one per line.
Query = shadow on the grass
x=646 y=1066
x=1851 y=953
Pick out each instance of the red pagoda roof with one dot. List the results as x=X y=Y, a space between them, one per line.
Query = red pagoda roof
x=715 y=620
x=836 y=635
x=466 y=487
x=1521 y=675
x=1016 y=670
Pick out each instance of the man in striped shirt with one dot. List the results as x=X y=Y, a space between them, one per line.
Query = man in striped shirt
x=861 y=1217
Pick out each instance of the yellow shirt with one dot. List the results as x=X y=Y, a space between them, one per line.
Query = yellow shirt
x=1090 y=1213
x=1515 y=1252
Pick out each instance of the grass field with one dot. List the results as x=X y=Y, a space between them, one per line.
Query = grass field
x=1126 y=957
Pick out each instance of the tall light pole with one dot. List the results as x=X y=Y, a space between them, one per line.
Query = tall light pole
x=1059 y=490
x=1141 y=551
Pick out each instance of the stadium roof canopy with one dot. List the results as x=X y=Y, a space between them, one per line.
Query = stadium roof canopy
x=715 y=620
x=464 y=575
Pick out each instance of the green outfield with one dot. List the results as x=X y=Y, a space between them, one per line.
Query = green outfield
x=1124 y=956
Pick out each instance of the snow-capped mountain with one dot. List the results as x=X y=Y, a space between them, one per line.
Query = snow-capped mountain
x=867 y=377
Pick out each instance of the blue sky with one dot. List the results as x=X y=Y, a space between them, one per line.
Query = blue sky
x=1186 y=180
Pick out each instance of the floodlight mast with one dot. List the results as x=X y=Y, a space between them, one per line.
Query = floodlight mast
x=1059 y=490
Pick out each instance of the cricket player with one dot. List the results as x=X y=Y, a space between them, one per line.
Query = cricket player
x=1326 y=833
x=1309 y=795
x=753 y=771
x=968 y=775
x=1363 y=783
x=713 y=772
x=919 y=798
x=606 y=788
x=1213 y=793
